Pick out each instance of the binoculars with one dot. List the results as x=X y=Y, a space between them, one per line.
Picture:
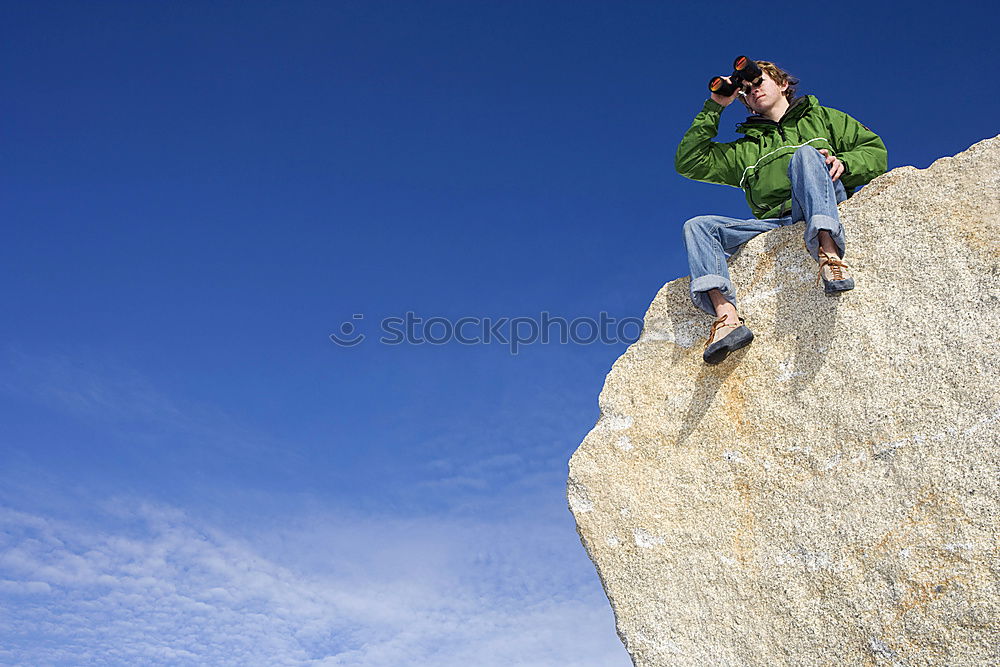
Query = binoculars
x=745 y=72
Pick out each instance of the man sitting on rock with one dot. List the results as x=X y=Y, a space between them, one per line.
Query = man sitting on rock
x=796 y=161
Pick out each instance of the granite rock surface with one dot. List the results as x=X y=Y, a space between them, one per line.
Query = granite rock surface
x=829 y=495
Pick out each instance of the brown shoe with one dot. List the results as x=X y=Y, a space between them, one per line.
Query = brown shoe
x=725 y=338
x=835 y=274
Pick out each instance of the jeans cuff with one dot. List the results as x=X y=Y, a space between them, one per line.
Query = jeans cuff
x=702 y=284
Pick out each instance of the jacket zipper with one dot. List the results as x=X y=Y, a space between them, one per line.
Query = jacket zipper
x=750 y=196
x=749 y=188
x=781 y=131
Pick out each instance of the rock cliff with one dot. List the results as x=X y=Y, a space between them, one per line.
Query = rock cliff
x=829 y=495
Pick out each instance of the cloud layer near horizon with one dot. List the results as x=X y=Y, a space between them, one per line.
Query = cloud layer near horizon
x=152 y=585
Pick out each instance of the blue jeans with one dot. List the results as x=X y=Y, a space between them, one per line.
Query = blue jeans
x=711 y=239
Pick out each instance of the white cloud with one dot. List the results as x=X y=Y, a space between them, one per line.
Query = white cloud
x=153 y=585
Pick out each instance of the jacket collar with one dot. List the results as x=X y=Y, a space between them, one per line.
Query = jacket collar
x=798 y=108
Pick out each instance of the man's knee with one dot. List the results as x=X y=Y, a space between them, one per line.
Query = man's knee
x=803 y=154
x=806 y=152
x=700 y=225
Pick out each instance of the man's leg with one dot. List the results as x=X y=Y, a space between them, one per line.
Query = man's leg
x=827 y=245
x=723 y=307
x=710 y=240
x=814 y=199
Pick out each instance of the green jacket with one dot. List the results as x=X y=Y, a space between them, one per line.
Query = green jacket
x=758 y=162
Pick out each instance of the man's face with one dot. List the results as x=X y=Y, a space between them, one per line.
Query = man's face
x=764 y=95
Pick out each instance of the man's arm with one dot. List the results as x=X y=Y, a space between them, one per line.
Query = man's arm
x=700 y=158
x=860 y=149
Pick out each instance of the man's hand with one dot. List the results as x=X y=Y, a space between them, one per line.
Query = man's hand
x=837 y=167
x=726 y=101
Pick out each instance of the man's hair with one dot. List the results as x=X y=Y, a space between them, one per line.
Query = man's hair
x=779 y=76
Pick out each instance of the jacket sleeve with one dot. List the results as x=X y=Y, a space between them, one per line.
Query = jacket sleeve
x=701 y=159
x=860 y=149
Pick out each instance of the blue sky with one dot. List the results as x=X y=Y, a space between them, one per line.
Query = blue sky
x=196 y=195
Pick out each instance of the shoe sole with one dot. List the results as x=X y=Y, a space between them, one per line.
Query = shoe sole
x=716 y=352
x=834 y=286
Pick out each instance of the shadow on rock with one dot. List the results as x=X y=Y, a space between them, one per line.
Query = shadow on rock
x=706 y=386
x=816 y=315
